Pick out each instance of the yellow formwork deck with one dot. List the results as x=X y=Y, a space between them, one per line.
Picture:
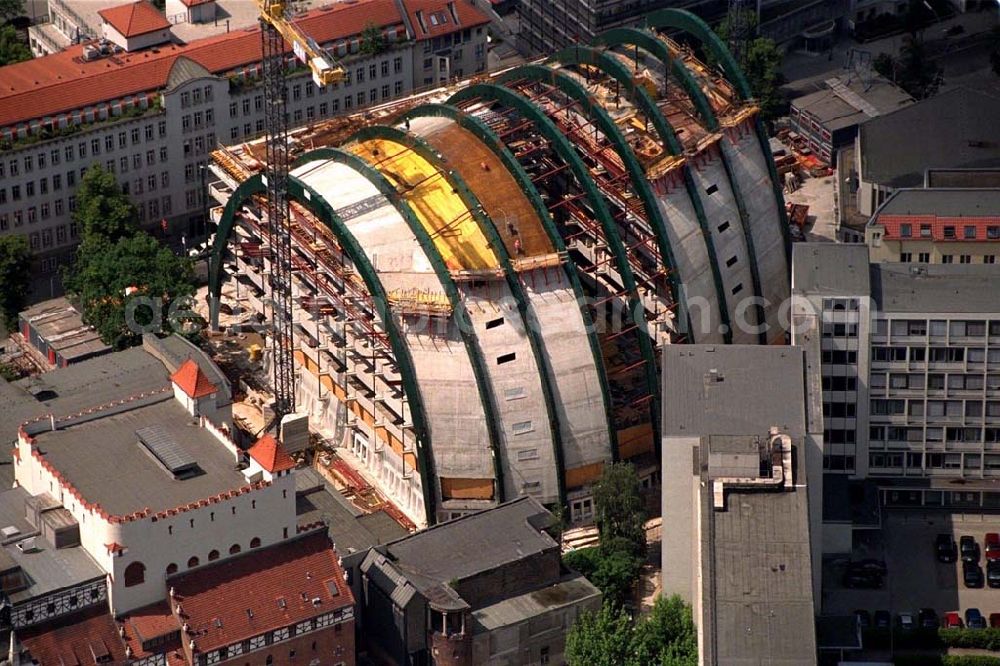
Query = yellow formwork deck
x=438 y=207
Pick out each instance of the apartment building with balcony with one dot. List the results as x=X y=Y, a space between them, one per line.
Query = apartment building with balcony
x=908 y=363
x=153 y=114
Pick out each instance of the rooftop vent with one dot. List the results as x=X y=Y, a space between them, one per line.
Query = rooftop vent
x=9 y=532
x=28 y=545
x=166 y=450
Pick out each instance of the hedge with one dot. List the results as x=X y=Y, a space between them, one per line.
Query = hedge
x=945 y=660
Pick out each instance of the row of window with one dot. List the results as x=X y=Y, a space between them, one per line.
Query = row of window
x=931 y=408
x=969 y=231
x=197 y=120
x=925 y=258
x=69 y=152
x=938 y=328
x=934 y=354
x=879 y=434
x=918 y=381
x=278 y=635
x=972 y=461
x=196 y=97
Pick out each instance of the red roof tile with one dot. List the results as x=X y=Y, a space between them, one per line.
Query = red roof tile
x=151 y=622
x=270 y=454
x=195 y=3
x=134 y=19
x=435 y=17
x=192 y=380
x=285 y=579
x=75 y=639
x=64 y=82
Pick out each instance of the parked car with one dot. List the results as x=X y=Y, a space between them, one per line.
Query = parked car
x=881 y=619
x=991 y=544
x=995 y=620
x=864 y=618
x=952 y=620
x=906 y=621
x=863 y=580
x=928 y=619
x=972 y=574
x=945 y=548
x=974 y=619
x=869 y=565
x=993 y=573
x=969 y=549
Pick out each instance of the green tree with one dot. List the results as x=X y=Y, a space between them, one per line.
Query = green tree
x=15 y=273
x=666 y=637
x=611 y=568
x=619 y=510
x=105 y=270
x=372 y=39
x=761 y=63
x=11 y=8
x=603 y=638
x=103 y=211
x=12 y=49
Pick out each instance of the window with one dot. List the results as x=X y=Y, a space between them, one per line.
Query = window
x=360 y=74
x=385 y=91
x=297 y=116
x=29 y=188
x=15 y=192
x=905 y=230
x=925 y=231
x=323 y=108
x=161 y=128
x=296 y=92
x=135 y=574
x=59 y=211
x=724 y=226
x=28 y=164
x=737 y=289
x=989 y=259
x=192 y=562
x=924 y=257
x=234 y=549
x=905 y=257
x=964 y=259
x=255 y=542
x=258 y=102
x=164 y=180
x=397 y=67
x=213 y=555
x=150 y=157
x=949 y=232
x=233 y=110
x=397 y=88
x=969 y=232
x=947 y=259
x=43 y=186
x=310 y=89
x=45 y=211
x=148 y=131
x=109 y=143
x=53 y=157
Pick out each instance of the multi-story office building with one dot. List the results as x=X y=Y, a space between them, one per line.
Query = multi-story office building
x=909 y=360
x=153 y=115
x=937 y=226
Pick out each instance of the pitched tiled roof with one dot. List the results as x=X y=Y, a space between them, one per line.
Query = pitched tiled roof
x=270 y=454
x=151 y=622
x=76 y=639
x=192 y=380
x=285 y=579
x=435 y=18
x=134 y=19
x=64 y=82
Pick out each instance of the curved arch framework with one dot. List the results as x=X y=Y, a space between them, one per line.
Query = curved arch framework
x=492 y=142
x=569 y=155
x=318 y=207
x=581 y=55
x=687 y=22
x=486 y=225
x=676 y=66
x=448 y=284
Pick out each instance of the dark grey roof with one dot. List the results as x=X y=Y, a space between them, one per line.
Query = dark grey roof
x=836 y=111
x=936 y=288
x=105 y=462
x=957 y=128
x=830 y=269
x=59 y=323
x=958 y=202
x=47 y=568
x=477 y=542
x=572 y=589
x=757 y=573
x=962 y=178
x=349 y=528
x=752 y=388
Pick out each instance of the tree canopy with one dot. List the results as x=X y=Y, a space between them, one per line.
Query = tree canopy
x=126 y=281
x=12 y=49
x=15 y=274
x=372 y=39
x=912 y=71
x=11 y=8
x=608 y=637
x=619 y=509
x=761 y=62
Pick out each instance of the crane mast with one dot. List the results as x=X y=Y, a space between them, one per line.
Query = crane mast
x=276 y=28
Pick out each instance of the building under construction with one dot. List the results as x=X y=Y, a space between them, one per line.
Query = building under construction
x=483 y=274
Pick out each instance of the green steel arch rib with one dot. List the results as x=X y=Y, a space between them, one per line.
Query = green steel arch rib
x=659 y=50
x=469 y=337
x=471 y=201
x=687 y=22
x=583 y=55
x=488 y=138
x=569 y=155
x=569 y=86
x=318 y=206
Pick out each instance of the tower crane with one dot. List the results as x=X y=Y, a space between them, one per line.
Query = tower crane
x=276 y=28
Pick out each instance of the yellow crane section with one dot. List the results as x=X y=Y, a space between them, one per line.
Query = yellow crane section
x=324 y=70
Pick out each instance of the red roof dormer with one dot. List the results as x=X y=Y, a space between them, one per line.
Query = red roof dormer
x=190 y=379
x=270 y=454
